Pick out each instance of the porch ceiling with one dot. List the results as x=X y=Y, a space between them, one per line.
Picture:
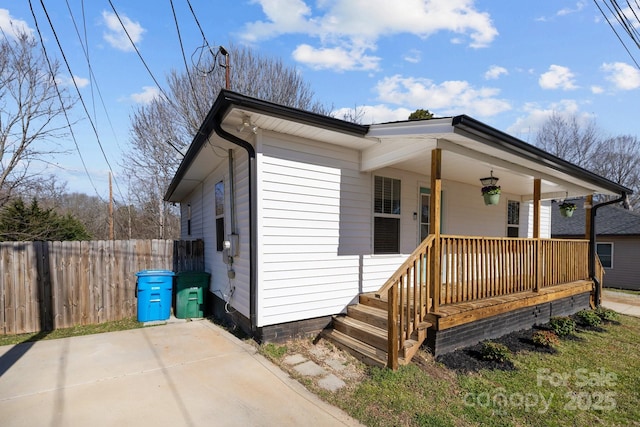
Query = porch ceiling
x=466 y=160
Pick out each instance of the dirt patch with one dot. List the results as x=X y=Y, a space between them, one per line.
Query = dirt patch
x=469 y=359
x=326 y=355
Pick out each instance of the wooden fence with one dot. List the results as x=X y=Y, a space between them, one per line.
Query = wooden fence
x=52 y=285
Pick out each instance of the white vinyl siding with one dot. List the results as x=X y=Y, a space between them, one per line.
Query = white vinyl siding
x=526 y=219
x=203 y=226
x=314 y=210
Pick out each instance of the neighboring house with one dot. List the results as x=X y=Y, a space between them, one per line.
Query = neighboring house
x=303 y=215
x=617 y=242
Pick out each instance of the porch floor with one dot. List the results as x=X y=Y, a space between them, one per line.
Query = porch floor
x=451 y=315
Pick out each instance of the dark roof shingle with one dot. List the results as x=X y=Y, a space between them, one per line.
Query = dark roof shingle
x=611 y=220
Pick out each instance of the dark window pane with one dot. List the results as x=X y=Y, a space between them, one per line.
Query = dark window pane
x=512 y=232
x=219 y=192
x=219 y=234
x=605 y=253
x=386 y=238
x=513 y=212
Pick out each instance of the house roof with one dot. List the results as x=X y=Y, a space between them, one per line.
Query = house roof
x=612 y=220
x=473 y=148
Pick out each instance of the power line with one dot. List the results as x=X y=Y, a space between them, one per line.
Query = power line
x=184 y=58
x=84 y=105
x=620 y=17
x=53 y=77
x=85 y=50
x=138 y=52
x=198 y=23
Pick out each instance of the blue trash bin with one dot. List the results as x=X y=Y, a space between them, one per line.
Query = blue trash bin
x=154 y=290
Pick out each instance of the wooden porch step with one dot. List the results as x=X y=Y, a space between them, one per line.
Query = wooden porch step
x=370 y=300
x=362 y=331
x=371 y=315
x=366 y=353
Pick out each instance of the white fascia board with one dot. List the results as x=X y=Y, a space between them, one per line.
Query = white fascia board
x=411 y=128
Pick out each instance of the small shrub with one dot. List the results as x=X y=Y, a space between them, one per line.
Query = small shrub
x=588 y=318
x=562 y=325
x=606 y=314
x=494 y=351
x=545 y=339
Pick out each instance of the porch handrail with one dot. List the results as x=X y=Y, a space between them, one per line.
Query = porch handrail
x=408 y=298
x=473 y=268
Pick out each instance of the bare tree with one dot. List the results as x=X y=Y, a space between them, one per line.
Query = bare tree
x=615 y=158
x=569 y=138
x=618 y=159
x=163 y=128
x=29 y=108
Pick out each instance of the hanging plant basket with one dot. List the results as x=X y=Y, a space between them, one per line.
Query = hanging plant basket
x=567 y=209
x=491 y=194
x=491 y=199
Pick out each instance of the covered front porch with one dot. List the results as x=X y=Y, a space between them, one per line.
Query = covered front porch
x=457 y=286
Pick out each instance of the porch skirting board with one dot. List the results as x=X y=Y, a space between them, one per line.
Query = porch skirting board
x=272 y=333
x=448 y=340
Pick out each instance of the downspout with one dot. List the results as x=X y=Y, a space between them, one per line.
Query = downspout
x=251 y=152
x=592 y=246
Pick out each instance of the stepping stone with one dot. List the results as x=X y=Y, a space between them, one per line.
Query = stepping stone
x=310 y=368
x=336 y=365
x=331 y=383
x=294 y=359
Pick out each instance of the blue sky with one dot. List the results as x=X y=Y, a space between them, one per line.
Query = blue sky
x=507 y=63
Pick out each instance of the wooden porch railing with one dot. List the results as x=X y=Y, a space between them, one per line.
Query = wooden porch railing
x=473 y=268
x=483 y=267
x=409 y=296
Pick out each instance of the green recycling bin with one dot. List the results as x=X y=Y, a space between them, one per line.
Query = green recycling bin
x=191 y=289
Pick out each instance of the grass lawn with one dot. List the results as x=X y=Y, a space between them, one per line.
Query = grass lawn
x=119 y=325
x=592 y=379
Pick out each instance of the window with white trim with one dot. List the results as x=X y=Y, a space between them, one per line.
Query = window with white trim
x=605 y=253
x=513 y=218
x=386 y=215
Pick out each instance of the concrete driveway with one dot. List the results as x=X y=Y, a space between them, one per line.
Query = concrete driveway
x=181 y=374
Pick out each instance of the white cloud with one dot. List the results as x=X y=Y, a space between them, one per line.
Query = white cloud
x=67 y=81
x=413 y=56
x=567 y=10
x=12 y=26
x=337 y=58
x=446 y=98
x=374 y=113
x=148 y=94
x=115 y=34
x=597 y=90
x=623 y=76
x=564 y=12
x=536 y=115
x=558 y=77
x=494 y=72
x=357 y=24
